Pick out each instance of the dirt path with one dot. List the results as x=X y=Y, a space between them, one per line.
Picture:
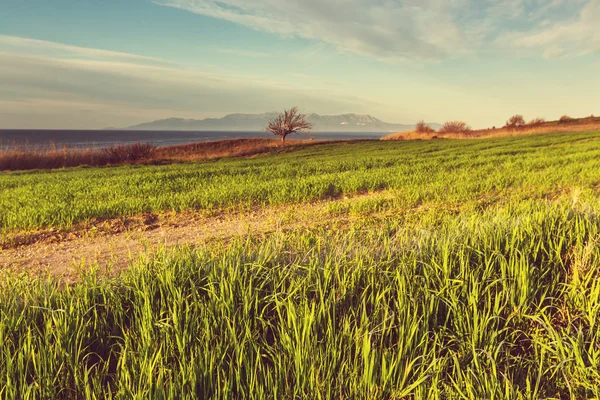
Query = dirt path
x=63 y=254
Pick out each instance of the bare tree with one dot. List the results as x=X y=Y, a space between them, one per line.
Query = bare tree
x=287 y=122
x=422 y=127
x=515 y=122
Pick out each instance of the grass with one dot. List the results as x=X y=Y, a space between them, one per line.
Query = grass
x=500 y=303
x=483 y=285
x=443 y=171
x=28 y=157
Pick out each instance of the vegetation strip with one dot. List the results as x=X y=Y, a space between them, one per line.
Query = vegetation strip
x=445 y=171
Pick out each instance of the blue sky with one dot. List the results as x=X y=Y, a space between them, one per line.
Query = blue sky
x=93 y=63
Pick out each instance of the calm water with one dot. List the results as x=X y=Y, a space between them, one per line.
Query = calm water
x=93 y=138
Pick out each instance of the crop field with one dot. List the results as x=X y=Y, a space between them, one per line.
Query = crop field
x=442 y=171
x=477 y=278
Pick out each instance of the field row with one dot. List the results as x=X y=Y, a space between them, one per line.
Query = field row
x=451 y=172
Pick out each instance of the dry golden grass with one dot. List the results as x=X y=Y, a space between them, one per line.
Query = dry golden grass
x=414 y=135
x=227 y=148
x=28 y=157
x=24 y=157
x=36 y=157
x=577 y=125
x=489 y=133
x=411 y=135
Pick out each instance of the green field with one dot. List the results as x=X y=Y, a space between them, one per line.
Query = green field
x=476 y=279
x=441 y=171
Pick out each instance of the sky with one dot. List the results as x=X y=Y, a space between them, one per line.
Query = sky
x=92 y=64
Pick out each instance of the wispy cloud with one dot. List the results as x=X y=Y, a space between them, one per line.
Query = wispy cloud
x=42 y=78
x=245 y=53
x=574 y=37
x=401 y=29
x=27 y=45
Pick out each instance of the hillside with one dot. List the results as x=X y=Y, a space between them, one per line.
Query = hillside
x=565 y=124
x=257 y=122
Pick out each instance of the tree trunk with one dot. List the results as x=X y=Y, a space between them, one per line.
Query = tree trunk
x=282 y=140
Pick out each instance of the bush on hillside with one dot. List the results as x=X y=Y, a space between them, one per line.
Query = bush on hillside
x=422 y=127
x=129 y=152
x=536 y=122
x=565 y=119
x=515 y=122
x=455 y=127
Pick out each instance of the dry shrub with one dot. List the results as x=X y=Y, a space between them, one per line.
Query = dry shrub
x=129 y=152
x=399 y=136
x=25 y=157
x=565 y=119
x=515 y=122
x=536 y=122
x=422 y=127
x=455 y=127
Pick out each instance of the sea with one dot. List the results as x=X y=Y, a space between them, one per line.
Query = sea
x=106 y=138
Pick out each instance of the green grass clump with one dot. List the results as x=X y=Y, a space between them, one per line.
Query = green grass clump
x=496 y=303
x=449 y=172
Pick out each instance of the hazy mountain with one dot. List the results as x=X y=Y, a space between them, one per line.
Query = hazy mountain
x=258 y=122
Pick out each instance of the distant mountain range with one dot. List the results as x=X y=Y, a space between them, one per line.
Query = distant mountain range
x=258 y=122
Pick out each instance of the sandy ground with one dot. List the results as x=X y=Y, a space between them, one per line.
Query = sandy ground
x=63 y=254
